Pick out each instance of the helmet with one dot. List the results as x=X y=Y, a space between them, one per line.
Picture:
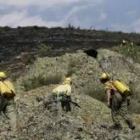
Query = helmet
x=104 y=76
x=67 y=80
x=123 y=41
x=2 y=75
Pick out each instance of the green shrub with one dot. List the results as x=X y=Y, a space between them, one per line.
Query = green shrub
x=134 y=106
x=43 y=49
x=40 y=80
x=129 y=50
x=135 y=99
x=71 y=67
x=70 y=72
x=135 y=103
x=96 y=91
x=72 y=64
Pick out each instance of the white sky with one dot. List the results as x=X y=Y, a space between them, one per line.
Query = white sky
x=120 y=15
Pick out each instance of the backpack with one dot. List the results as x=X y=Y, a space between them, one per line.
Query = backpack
x=7 y=89
x=122 y=87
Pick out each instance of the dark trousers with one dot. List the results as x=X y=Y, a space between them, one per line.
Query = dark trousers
x=66 y=103
x=119 y=109
x=3 y=104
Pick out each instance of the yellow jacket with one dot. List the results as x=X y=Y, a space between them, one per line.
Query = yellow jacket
x=109 y=86
x=62 y=89
x=7 y=89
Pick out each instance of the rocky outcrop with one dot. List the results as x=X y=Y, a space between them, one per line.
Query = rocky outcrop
x=120 y=67
x=34 y=121
x=86 y=70
x=41 y=123
x=93 y=120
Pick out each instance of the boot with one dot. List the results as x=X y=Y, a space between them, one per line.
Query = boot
x=117 y=126
x=130 y=124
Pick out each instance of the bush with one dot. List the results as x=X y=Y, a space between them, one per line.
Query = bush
x=71 y=67
x=43 y=49
x=134 y=106
x=135 y=99
x=135 y=103
x=129 y=50
x=96 y=91
x=70 y=72
x=40 y=80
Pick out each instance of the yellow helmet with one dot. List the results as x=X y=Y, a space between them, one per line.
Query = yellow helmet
x=2 y=75
x=104 y=76
x=123 y=41
x=67 y=80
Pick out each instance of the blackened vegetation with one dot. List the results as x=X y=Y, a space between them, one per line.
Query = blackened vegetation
x=13 y=41
x=91 y=52
x=20 y=46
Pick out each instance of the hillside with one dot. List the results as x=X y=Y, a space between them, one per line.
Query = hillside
x=93 y=120
x=39 y=59
x=13 y=41
x=21 y=45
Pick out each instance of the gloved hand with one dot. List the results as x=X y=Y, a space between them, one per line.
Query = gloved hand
x=108 y=104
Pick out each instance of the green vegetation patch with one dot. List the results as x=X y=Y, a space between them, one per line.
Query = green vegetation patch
x=96 y=91
x=71 y=67
x=43 y=49
x=135 y=101
x=129 y=50
x=40 y=80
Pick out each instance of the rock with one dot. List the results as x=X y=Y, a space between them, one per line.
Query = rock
x=90 y=72
x=93 y=119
